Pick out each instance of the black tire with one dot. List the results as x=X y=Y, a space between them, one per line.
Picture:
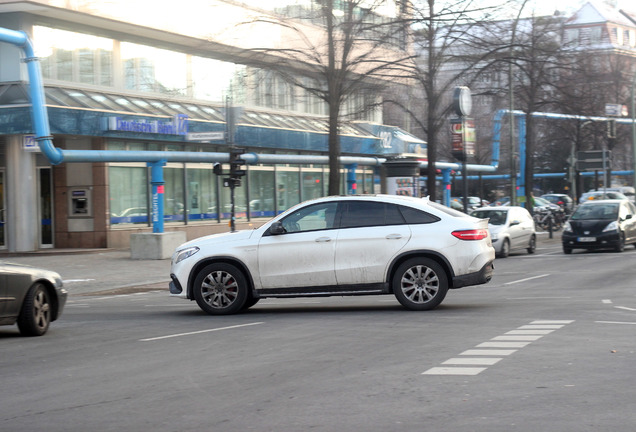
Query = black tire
x=35 y=315
x=505 y=249
x=420 y=284
x=220 y=289
x=532 y=245
x=567 y=250
x=620 y=246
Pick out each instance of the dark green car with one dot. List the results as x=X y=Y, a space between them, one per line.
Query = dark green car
x=30 y=297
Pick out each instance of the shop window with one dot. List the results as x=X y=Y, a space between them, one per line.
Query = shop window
x=287 y=188
x=261 y=185
x=202 y=186
x=128 y=187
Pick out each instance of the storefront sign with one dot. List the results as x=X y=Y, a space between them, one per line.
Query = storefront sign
x=177 y=126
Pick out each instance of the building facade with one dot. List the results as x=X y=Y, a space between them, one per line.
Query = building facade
x=140 y=77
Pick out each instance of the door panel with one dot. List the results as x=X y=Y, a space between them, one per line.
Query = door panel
x=363 y=254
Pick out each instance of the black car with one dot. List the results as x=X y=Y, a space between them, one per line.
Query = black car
x=31 y=297
x=603 y=224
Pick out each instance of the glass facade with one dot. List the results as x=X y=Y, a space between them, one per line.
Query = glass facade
x=126 y=66
x=194 y=194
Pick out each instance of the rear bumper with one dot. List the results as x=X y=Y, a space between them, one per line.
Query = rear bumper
x=481 y=277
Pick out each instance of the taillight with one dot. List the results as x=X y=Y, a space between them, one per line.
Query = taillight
x=477 y=234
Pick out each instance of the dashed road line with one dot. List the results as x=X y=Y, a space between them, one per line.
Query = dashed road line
x=491 y=352
x=199 y=332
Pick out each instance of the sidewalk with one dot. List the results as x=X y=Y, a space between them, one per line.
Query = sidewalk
x=98 y=271
x=109 y=272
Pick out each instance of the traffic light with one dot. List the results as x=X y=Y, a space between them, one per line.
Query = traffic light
x=236 y=163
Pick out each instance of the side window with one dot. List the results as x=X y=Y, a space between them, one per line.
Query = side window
x=363 y=214
x=315 y=217
x=414 y=216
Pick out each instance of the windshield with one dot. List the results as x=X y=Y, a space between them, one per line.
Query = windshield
x=595 y=212
x=496 y=217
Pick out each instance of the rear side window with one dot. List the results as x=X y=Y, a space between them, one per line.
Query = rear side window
x=414 y=216
x=369 y=213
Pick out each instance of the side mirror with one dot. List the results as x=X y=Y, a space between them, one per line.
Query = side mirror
x=277 y=228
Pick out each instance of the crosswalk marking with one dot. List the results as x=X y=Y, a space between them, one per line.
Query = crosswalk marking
x=491 y=352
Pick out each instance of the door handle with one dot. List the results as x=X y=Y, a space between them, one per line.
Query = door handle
x=394 y=236
x=323 y=239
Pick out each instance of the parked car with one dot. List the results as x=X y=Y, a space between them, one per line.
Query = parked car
x=30 y=297
x=511 y=229
x=628 y=191
x=600 y=224
x=601 y=195
x=562 y=200
x=473 y=202
x=336 y=246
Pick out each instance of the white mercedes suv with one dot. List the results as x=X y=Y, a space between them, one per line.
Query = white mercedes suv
x=410 y=247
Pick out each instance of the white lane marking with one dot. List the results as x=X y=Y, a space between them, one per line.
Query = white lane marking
x=453 y=371
x=517 y=338
x=198 y=332
x=529 y=332
x=67 y=281
x=615 y=322
x=552 y=322
x=487 y=352
x=503 y=345
x=540 y=327
x=537 y=298
x=607 y=301
x=625 y=308
x=484 y=361
x=526 y=279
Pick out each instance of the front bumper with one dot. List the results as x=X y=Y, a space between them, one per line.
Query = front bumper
x=608 y=240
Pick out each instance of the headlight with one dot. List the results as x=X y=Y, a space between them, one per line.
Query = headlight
x=567 y=227
x=186 y=253
x=612 y=226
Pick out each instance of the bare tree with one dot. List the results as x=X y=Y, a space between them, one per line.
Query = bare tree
x=336 y=50
x=455 y=46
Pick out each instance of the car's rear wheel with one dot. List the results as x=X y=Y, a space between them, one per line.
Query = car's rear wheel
x=220 y=289
x=505 y=249
x=420 y=284
x=532 y=246
x=35 y=315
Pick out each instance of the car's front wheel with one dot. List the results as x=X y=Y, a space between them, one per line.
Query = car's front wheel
x=420 y=284
x=220 y=289
x=505 y=249
x=35 y=315
x=620 y=246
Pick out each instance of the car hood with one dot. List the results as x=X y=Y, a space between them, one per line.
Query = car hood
x=219 y=238
x=592 y=226
x=27 y=269
x=496 y=229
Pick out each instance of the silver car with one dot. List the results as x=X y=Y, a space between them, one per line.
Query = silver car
x=31 y=297
x=511 y=229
